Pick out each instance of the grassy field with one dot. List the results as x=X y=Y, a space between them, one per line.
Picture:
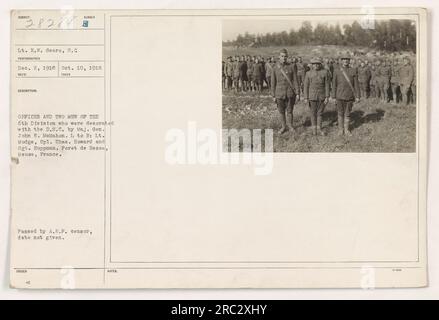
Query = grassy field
x=376 y=126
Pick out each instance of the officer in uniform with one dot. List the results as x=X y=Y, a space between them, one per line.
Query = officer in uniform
x=285 y=90
x=406 y=78
x=345 y=90
x=316 y=93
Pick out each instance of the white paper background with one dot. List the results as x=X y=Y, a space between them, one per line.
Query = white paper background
x=6 y=293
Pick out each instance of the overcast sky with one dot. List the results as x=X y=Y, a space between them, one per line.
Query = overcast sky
x=231 y=28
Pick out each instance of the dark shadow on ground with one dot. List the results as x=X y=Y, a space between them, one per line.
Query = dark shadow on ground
x=358 y=118
x=330 y=117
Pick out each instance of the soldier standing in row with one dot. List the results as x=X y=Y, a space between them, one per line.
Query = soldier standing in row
x=330 y=67
x=345 y=90
x=262 y=63
x=364 y=79
x=373 y=82
x=384 y=74
x=394 y=81
x=268 y=69
x=236 y=73
x=229 y=73
x=243 y=74
x=406 y=78
x=285 y=90
x=316 y=93
x=250 y=62
x=301 y=70
x=258 y=72
x=353 y=64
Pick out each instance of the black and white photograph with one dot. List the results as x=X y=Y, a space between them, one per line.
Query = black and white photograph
x=131 y=168
x=322 y=85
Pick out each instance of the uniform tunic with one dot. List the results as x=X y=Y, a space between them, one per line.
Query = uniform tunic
x=384 y=73
x=229 y=69
x=301 y=69
x=268 y=69
x=316 y=85
x=236 y=70
x=395 y=75
x=280 y=88
x=250 y=70
x=242 y=66
x=406 y=75
x=406 y=81
x=341 y=89
x=258 y=72
x=364 y=75
x=373 y=76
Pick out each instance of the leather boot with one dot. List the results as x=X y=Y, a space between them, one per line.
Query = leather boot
x=346 y=128
x=319 y=125
x=290 y=122
x=340 y=125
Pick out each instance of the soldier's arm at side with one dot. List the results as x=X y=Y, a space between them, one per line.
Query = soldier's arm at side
x=273 y=82
x=306 y=87
x=411 y=75
x=327 y=85
x=296 y=82
x=356 y=87
x=334 y=85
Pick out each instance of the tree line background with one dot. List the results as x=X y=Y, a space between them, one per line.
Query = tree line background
x=388 y=35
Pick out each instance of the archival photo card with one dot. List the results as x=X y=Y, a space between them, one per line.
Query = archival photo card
x=282 y=148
